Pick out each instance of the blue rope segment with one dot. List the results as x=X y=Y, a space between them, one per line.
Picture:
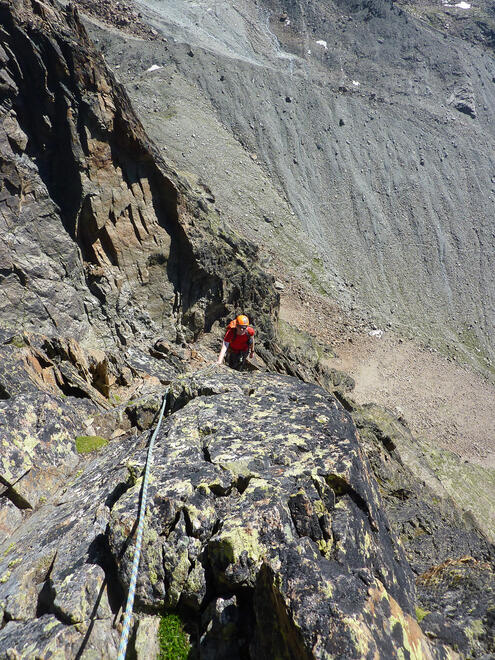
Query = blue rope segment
x=124 y=638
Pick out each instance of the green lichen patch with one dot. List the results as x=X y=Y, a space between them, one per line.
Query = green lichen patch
x=18 y=341
x=420 y=614
x=88 y=443
x=173 y=639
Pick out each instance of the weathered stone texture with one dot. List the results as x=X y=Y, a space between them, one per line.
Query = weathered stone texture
x=259 y=489
x=100 y=238
x=445 y=545
x=57 y=577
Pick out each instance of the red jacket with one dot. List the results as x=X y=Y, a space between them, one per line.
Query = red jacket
x=239 y=343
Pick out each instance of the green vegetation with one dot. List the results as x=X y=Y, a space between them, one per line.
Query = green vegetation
x=9 y=549
x=88 y=443
x=174 y=641
x=301 y=340
x=18 y=341
x=315 y=274
x=169 y=113
x=420 y=614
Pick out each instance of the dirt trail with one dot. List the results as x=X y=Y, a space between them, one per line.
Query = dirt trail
x=441 y=401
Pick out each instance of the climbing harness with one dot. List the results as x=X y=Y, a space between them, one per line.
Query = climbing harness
x=124 y=638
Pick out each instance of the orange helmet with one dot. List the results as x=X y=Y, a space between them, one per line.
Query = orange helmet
x=242 y=320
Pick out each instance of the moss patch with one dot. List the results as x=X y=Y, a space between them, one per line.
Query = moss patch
x=420 y=614
x=300 y=340
x=471 y=486
x=88 y=443
x=174 y=641
x=18 y=341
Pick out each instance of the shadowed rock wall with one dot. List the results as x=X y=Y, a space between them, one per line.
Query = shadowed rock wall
x=99 y=239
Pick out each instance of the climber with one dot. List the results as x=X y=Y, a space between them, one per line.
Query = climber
x=238 y=343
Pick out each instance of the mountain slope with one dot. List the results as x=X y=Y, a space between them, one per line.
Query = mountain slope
x=365 y=136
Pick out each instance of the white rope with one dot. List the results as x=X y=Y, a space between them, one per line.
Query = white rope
x=124 y=638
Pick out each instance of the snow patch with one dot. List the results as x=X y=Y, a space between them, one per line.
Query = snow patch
x=322 y=42
x=356 y=83
x=154 y=67
x=459 y=5
x=375 y=333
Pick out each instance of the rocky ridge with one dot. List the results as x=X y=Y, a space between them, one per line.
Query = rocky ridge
x=265 y=503
x=267 y=530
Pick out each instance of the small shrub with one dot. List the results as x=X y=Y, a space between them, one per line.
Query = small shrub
x=88 y=443
x=174 y=641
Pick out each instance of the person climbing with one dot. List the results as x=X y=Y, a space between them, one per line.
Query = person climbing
x=238 y=343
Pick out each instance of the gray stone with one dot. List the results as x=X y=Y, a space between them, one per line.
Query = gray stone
x=146 y=645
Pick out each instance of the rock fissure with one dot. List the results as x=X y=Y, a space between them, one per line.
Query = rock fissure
x=119 y=490
x=46 y=599
x=10 y=493
x=99 y=553
x=206 y=454
x=342 y=489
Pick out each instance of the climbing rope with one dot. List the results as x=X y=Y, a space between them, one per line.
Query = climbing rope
x=124 y=638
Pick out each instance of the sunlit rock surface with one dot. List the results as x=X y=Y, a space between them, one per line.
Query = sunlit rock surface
x=259 y=489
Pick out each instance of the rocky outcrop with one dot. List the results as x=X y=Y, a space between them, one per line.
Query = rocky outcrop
x=267 y=528
x=261 y=505
x=451 y=557
x=102 y=240
x=52 y=392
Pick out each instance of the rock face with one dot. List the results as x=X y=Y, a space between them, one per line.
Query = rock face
x=449 y=555
x=261 y=504
x=273 y=527
x=100 y=239
x=266 y=529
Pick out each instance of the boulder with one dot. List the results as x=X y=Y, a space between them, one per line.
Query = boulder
x=266 y=495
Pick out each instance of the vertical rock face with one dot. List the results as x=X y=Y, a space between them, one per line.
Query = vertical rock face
x=444 y=546
x=100 y=241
